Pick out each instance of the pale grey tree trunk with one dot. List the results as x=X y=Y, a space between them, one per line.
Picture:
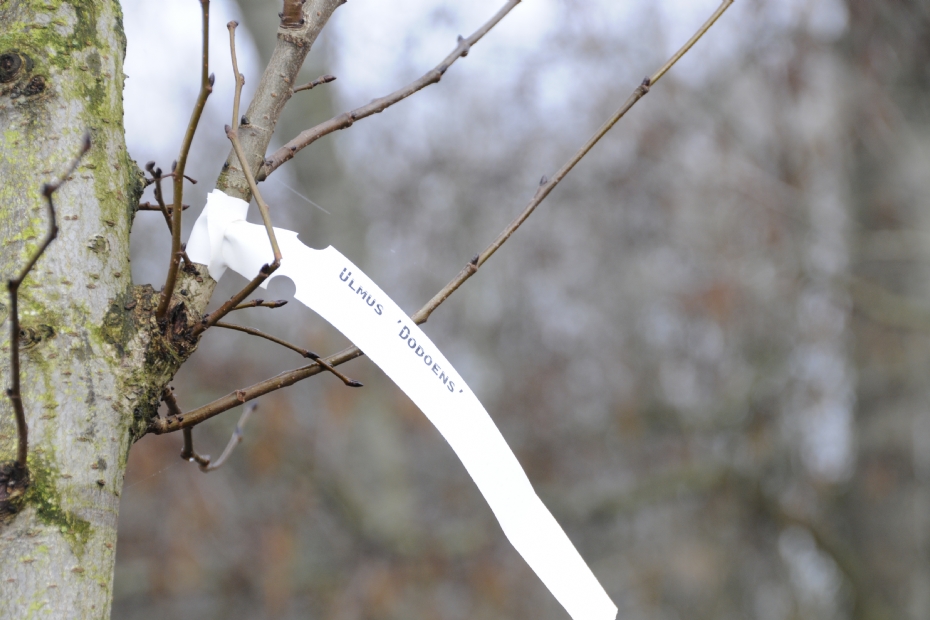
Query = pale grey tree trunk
x=95 y=361
x=61 y=67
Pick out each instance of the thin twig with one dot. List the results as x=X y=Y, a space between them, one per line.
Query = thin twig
x=225 y=403
x=546 y=185
x=256 y=303
x=170 y=175
x=240 y=79
x=14 y=392
x=206 y=87
x=231 y=304
x=147 y=206
x=165 y=210
x=232 y=132
x=234 y=441
x=309 y=136
x=159 y=196
x=174 y=410
x=188 y=453
x=293 y=347
x=323 y=79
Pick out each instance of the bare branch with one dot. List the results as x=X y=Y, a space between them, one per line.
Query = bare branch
x=546 y=185
x=255 y=303
x=240 y=79
x=206 y=87
x=147 y=206
x=14 y=391
x=232 y=132
x=273 y=92
x=309 y=136
x=236 y=299
x=188 y=453
x=196 y=416
x=293 y=347
x=159 y=196
x=204 y=461
x=323 y=79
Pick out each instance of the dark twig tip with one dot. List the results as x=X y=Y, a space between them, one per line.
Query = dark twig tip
x=474 y=260
x=232 y=24
x=544 y=180
x=354 y=383
x=211 y=80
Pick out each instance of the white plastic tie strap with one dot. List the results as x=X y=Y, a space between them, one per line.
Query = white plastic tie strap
x=328 y=283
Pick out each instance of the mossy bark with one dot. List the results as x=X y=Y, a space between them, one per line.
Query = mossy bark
x=86 y=351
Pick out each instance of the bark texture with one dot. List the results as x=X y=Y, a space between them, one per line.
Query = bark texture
x=95 y=360
x=64 y=75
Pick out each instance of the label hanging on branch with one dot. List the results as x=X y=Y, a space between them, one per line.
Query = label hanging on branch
x=328 y=283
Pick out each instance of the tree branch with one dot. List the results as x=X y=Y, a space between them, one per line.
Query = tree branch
x=196 y=416
x=232 y=132
x=147 y=206
x=206 y=87
x=273 y=93
x=309 y=136
x=14 y=392
x=323 y=79
x=236 y=299
x=204 y=461
x=255 y=303
x=293 y=347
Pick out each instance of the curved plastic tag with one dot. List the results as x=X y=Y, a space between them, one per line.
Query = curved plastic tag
x=330 y=284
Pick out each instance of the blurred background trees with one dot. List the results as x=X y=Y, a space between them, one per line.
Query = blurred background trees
x=708 y=348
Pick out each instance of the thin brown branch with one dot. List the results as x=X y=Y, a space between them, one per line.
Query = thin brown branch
x=159 y=196
x=234 y=399
x=211 y=319
x=272 y=94
x=196 y=416
x=323 y=79
x=256 y=303
x=188 y=453
x=206 y=87
x=240 y=79
x=232 y=132
x=167 y=397
x=147 y=206
x=14 y=391
x=293 y=347
x=165 y=210
x=309 y=136
x=546 y=185
x=174 y=410
x=233 y=136
x=724 y=5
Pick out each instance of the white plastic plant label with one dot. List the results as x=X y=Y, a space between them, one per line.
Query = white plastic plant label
x=328 y=283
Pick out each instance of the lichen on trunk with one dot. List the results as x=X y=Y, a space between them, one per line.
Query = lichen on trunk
x=61 y=74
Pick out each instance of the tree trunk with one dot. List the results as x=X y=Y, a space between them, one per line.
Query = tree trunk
x=61 y=73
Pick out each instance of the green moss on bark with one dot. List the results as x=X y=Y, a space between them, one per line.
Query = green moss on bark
x=43 y=495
